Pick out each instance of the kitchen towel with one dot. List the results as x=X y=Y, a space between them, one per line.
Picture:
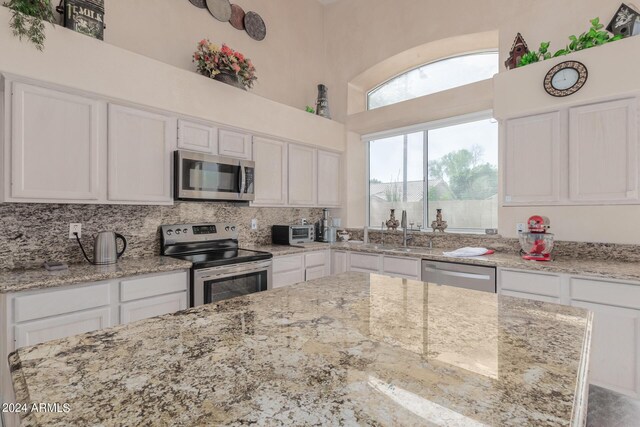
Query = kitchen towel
x=468 y=252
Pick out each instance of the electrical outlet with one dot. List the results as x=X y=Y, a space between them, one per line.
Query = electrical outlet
x=75 y=228
x=254 y=224
x=520 y=227
x=303 y=221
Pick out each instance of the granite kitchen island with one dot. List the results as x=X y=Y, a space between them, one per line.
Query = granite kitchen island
x=351 y=349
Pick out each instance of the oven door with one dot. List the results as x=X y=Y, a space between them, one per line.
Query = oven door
x=219 y=283
x=206 y=177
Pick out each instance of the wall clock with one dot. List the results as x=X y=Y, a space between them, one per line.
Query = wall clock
x=565 y=78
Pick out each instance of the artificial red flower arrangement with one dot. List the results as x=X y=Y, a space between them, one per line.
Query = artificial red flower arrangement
x=214 y=62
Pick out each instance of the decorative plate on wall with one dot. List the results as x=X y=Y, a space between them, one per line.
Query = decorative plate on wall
x=237 y=17
x=254 y=25
x=202 y=4
x=220 y=9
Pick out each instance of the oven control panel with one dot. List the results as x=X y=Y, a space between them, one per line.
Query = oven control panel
x=182 y=233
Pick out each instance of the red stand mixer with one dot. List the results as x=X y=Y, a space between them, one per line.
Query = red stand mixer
x=537 y=244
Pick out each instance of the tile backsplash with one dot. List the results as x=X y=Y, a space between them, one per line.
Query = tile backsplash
x=33 y=233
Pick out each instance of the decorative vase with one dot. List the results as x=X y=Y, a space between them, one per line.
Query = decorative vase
x=322 y=104
x=230 y=79
x=392 y=222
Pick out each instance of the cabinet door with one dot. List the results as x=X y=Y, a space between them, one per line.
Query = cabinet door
x=288 y=270
x=151 y=307
x=31 y=333
x=234 y=144
x=603 y=148
x=339 y=262
x=364 y=263
x=197 y=137
x=328 y=179
x=55 y=145
x=314 y=273
x=271 y=172
x=140 y=147
x=533 y=159
x=302 y=176
x=615 y=348
x=407 y=268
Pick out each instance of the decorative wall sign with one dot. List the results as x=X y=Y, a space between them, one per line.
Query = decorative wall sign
x=518 y=50
x=254 y=26
x=85 y=17
x=565 y=78
x=237 y=17
x=202 y=4
x=220 y=9
x=626 y=21
x=322 y=104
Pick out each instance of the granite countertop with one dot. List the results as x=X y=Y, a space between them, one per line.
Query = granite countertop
x=605 y=268
x=24 y=280
x=348 y=349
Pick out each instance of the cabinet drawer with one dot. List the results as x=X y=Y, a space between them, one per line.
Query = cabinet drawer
x=39 y=331
x=287 y=278
x=611 y=293
x=403 y=267
x=143 y=309
x=54 y=303
x=531 y=296
x=363 y=262
x=314 y=273
x=315 y=259
x=531 y=283
x=150 y=286
x=287 y=263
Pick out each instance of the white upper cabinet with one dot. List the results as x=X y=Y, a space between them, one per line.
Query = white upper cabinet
x=57 y=142
x=303 y=176
x=140 y=148
x=328 y=179
x=533 y=158
x=603 y=141
x=234 y=144
x=271 y=171
x=197 y=137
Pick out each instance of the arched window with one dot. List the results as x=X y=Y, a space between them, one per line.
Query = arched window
x=434 y=77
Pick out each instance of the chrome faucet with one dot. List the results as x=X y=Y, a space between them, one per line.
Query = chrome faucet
x=403 y=224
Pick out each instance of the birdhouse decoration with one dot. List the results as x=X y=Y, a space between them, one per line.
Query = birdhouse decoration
x=625 y=22
x=518 y=50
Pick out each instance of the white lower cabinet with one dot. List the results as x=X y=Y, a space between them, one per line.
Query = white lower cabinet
x=151 y=307
x=615 y=342
x=32 y=333
x=365 y=263
x=292 y=269
x=338 y=262
x=406 y=268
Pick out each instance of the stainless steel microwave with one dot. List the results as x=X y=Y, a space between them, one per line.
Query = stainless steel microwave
x=201 y=176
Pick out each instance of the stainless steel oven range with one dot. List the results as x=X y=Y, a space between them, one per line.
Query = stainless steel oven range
x=221 y=270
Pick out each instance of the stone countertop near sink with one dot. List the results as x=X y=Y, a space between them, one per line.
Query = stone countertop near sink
x=606 y=269
x=25 y=280
x=281 y=250
x=343 y=350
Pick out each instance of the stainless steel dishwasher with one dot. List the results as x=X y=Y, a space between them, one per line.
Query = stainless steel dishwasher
x=460 y=275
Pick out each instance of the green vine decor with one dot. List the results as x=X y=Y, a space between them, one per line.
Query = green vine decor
x=28 y=18
x=596 y=36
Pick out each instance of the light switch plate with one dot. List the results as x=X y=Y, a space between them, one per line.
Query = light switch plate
x=520 y=227
x=254 y=224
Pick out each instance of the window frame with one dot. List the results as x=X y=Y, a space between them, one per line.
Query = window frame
x=425 y=128
x=462 y=55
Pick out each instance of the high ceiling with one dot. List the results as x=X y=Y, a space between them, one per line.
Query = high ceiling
x=327 y=1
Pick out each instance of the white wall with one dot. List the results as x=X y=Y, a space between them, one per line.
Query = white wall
x=289 y=61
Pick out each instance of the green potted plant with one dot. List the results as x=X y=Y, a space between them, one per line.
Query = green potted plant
x=595 y=36
x=28 y=18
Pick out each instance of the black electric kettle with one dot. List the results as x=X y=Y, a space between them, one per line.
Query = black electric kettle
x=105 y=248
